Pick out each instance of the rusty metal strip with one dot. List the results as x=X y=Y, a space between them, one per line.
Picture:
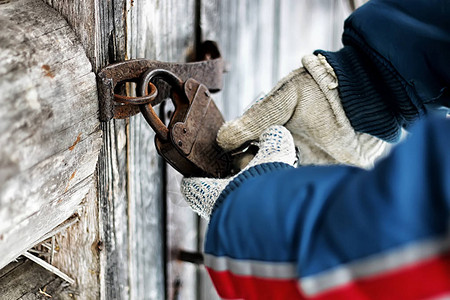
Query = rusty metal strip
x=208 y=71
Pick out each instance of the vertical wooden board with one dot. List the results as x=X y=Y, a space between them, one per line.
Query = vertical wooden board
x=263 y=41
x=145 y=214
x=305 y=26
x=100 y=25
x=78 y=250
x=245 y=32
x=182 y=234
x=247 y=37
x=113 y=212
x=160 y=30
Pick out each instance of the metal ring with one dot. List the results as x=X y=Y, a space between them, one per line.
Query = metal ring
x=167 y=76
x=138 y=100
x=148 y=112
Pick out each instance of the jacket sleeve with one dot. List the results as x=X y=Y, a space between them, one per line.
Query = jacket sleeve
x=338 y=232
x=393 y=67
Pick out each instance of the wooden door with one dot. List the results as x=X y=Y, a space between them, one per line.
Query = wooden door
x=130 y=216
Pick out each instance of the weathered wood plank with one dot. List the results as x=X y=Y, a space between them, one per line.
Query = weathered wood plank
x=182 y=234
x=244 y=31
x=264 y=40
x=49 y=128
x=78 y=249
x=100 y=25
x=306 y=26
x=113 y=204
x=27 y=280
x=131 y=212
x=10 y=267
x=146 y=215
x=160 y=30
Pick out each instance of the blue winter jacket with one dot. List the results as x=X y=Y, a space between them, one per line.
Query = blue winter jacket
x=279 y=232
x=395 y=64
x=340 y=232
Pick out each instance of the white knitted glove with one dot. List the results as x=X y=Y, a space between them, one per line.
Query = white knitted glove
x=307 y=103
x=275 y=145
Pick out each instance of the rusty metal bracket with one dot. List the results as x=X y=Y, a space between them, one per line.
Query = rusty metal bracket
x=208 y=71
x=188 y=141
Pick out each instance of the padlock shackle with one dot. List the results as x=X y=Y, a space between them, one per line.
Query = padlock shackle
x=179 y=99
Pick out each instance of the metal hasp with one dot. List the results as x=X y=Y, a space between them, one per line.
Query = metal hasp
x=209 y=71
x=188 y=141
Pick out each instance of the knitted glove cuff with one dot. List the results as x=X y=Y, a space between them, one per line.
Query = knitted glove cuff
x=202 y=193
x=387 y=105
x=276 y=150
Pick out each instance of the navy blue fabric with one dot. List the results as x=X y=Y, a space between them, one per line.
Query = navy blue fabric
x=322 y=217
x=251 y=172
x=395 y=60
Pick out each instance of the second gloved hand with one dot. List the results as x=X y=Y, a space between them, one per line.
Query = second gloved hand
x=276 y=147
x=307 y=103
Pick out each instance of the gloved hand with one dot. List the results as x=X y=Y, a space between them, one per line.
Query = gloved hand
x=275 y=145
x=307 y=103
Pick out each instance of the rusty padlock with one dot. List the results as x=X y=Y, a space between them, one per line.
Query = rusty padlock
x=188 y=141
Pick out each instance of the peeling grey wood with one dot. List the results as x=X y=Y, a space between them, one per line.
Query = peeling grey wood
x=49 y=129
x=263 y=41
x=27 y=280
x=113 y=202
x=100 y=25
x=306 y=26
x=78 y=248
x=160 y=30
x=129 y=170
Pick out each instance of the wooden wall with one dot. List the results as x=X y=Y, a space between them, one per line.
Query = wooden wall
x=132 y=215
x=49 y=130
x=264 y=40
x=159 y=30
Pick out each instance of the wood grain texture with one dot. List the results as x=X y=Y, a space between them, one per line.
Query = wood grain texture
x=112 y=170
x=305 y=26
x=160 y=30
x=113 y=211
x=26 y=280
x=79 y=248
x=146 y=208
x=100 y=25
x=264 y=40
x=129 y=171
x=245 y=32
x=49 y=128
